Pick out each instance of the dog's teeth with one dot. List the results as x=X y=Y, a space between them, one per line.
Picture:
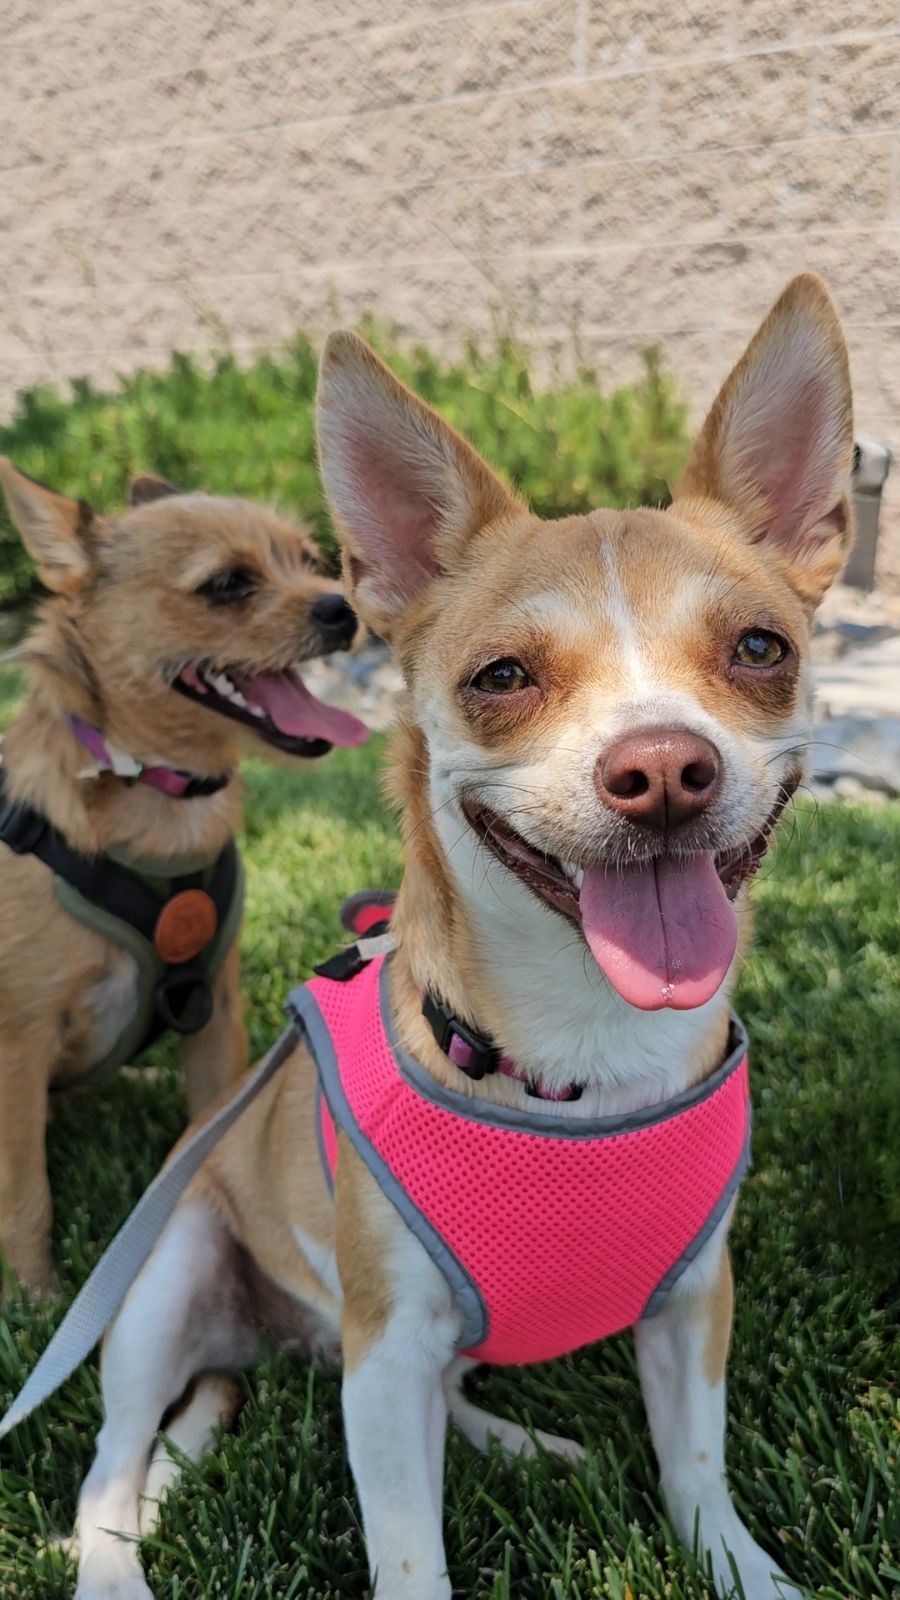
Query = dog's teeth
x=574 y=873
x=223 y=685
x=256 y=711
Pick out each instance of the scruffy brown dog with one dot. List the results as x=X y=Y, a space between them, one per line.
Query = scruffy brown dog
x=165 y=651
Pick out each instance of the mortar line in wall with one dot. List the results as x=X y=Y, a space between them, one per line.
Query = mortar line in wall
x=560 y=254
x=613 y=73
x=893 y=210
x=638 y=335
x=581 y=41
x=126 y=8
x=499 y=175
x=637 y=338
x=812 y=87
x=531 y=168
x=304 y=41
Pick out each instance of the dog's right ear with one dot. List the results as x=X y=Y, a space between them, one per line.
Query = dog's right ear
x=407 y=493
x=54 y=530
x=145 y=488
x=777 y=445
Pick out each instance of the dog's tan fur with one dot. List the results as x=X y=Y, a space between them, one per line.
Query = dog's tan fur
x=592 y=605
x=123 y=608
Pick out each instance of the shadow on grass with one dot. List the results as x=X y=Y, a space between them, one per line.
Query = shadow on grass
x=822 y=1002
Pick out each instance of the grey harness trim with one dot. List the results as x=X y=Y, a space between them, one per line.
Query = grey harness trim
x=691 y=1252
x=100 y=1297
x=304 y=1009
x=320 y=1139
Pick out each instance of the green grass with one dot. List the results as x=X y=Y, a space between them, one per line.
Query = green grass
x=815 y=1418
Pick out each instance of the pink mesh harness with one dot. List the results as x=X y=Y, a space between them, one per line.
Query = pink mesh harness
x=552 y=1231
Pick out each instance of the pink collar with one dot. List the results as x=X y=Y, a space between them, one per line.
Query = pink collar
x=476 y=1054
x=178 y=785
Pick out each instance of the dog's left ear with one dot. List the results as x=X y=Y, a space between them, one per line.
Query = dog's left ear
x=777 y=445
x=407 y=493
x=55 y=531
x=145 y=488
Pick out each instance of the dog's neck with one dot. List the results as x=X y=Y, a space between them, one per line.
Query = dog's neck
x=45 y=765
x=522 y=974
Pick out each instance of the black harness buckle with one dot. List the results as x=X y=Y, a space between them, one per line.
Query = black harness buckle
x=343 y=965
x=484 y=1055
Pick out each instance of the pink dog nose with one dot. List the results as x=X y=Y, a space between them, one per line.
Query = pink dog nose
x=661 y=776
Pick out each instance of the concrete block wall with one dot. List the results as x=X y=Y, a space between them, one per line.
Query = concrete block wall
x=599 y=173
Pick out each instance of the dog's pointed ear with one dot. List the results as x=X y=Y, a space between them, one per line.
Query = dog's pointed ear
x=407 y=493
x=777 y=445
x=55 y=531
x=145 y=488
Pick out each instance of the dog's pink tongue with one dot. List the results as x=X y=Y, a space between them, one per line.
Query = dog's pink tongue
x=663 y=934
x=285 y=698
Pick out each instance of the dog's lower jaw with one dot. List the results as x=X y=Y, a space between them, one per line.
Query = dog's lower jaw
x=541 y=996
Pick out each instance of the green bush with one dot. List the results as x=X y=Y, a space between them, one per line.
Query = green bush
x=249 y=430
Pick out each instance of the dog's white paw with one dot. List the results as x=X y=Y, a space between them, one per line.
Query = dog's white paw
x=112 y=1574
x=761 y=1578
x=131 y=1588
x=557 y=1445
x=481 y=1428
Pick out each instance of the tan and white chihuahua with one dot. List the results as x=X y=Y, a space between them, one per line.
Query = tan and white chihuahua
x=627 y=690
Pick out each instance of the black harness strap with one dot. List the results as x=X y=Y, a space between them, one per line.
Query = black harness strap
x=183 y=999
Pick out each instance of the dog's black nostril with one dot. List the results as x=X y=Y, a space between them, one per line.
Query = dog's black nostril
x=637 y=783
x=698 y=776
x=334 y=614
x=628 y=785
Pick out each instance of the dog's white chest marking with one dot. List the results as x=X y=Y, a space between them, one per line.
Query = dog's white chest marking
x=110 y=1005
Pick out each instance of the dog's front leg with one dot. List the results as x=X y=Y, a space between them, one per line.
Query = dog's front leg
x=25 y=1204
x=214 y=1058
x=682 y=1354
x=398 y=1332
x=395 y=1419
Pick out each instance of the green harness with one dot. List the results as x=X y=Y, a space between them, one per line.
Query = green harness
x=129 y=901
x=165 y=881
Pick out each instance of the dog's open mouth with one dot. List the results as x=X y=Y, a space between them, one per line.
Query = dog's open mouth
x=276 y=705
x=663 y=932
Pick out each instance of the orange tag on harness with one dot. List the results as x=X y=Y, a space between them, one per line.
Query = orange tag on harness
x=185 y=926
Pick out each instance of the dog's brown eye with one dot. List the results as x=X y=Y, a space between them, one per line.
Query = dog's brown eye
x=502 y=677
x=236 y=583
x=759 y=649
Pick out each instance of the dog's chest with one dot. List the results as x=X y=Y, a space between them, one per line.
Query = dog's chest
x=109 y=1005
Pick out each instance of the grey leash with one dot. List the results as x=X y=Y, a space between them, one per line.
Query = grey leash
x=99 y=1299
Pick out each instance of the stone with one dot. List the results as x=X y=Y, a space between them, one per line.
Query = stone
x=865 y=681
x=864 y=748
